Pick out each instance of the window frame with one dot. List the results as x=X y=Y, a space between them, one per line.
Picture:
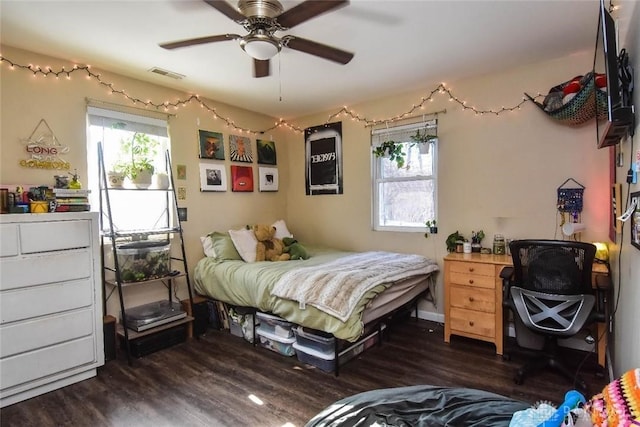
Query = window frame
x=377 y=180
x=157 y=127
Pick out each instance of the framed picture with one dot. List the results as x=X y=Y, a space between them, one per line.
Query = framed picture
x=268 y=179
x=181 y=172
x=323 y=159
x=211 y=145
x=635 y=220
x=266 y=152
x=212 y=177
x=241 y=178
x=240 y=149
x=182 y=214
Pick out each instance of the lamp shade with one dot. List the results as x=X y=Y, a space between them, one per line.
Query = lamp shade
x=260 y=46
x=571 y=228
x=602 y=251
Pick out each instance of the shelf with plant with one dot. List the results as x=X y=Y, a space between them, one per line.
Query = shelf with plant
x=432 y=227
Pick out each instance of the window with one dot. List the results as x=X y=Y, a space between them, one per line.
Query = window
x=116 y=131
x=405 y=198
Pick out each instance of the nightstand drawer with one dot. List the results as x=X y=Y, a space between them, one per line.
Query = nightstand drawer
x=473 y=299
x=473 y=322
x=474 y=268
x=466 y=279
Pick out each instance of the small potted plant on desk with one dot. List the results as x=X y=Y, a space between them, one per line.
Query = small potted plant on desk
x=476 y=241
x=453 y=240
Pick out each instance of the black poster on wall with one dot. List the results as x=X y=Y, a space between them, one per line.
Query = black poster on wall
x=323 y=159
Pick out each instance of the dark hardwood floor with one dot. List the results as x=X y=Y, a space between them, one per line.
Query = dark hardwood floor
x=208 y=382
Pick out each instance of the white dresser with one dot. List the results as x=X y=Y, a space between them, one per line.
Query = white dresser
x=50 y=302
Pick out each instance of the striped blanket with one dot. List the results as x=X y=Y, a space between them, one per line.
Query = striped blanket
x=337 y=286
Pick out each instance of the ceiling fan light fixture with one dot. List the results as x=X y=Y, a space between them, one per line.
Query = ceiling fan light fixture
x=260 y=46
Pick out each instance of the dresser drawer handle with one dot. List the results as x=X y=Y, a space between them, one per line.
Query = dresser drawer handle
x=471 y=323
x=470 y=299
x=471 y=269
x=471 y=281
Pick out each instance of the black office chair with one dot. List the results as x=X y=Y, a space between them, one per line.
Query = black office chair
x=549 y=291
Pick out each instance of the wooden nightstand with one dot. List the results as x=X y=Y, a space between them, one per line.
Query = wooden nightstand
x=473 y=297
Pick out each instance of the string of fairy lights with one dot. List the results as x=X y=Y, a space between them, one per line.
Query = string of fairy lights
x=345 y=111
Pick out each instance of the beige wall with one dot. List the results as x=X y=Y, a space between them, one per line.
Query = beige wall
x=27 y=99
x=496 y=173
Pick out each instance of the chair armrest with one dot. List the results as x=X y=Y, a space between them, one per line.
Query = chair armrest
x=506 y=275
x=603 y=292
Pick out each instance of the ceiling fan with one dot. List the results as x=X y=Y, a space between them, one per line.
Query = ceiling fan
x=262 y=19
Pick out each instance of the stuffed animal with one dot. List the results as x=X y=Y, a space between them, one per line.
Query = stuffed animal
x=294 y=249
x=269 y=248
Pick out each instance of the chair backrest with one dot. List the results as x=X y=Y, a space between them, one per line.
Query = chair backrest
x=553 y=266
x=551 y=287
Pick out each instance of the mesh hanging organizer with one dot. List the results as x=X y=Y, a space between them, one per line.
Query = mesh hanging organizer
x=582 y=107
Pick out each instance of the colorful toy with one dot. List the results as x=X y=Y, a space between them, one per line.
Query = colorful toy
x=571 y=401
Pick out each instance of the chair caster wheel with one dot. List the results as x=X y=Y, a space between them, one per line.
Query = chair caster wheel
x=518 y=379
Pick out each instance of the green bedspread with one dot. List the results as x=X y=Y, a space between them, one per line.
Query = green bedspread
x=250 y=284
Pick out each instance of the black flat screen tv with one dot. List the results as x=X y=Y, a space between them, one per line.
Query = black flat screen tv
x=619 y=117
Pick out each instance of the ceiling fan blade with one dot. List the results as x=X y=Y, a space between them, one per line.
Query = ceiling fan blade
x=200 y=40
x=260 y=68
x=318 y=49
x=225 y=8
x=307 y=10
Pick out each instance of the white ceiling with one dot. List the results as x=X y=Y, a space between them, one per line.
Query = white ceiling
x=399 y=45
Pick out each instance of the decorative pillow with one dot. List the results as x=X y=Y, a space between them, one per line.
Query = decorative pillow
x=281 y=229
x=207 y=246
x=245 y=243
x=220 y=246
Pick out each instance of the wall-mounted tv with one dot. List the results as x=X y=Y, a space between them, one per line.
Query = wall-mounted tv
x=619 y=118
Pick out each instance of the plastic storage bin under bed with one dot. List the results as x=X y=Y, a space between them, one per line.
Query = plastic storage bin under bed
x=275 y=325
x=282 y=345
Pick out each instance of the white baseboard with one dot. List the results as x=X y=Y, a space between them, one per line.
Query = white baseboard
x=431 y=315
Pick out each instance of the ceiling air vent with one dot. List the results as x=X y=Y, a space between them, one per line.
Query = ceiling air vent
x=167 y=73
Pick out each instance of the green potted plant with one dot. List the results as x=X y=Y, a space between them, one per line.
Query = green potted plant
x=452 y=241
x=423 y=140
x=393 y=149
x=432 y=228
x=476 y=240
x=136 y=160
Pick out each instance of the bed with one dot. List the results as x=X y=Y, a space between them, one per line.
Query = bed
x=618 y=404
x=291 y=290
x=420 y=405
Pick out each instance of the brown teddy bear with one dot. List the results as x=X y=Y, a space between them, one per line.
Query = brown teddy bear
x=269 y=248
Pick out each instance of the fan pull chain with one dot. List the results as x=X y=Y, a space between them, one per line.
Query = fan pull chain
x=280 y=78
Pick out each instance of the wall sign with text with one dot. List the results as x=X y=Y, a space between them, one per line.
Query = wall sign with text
x=323 y=159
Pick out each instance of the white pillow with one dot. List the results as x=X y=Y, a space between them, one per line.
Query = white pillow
x=207 y=246
x=281 y=229
x=245 y=242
